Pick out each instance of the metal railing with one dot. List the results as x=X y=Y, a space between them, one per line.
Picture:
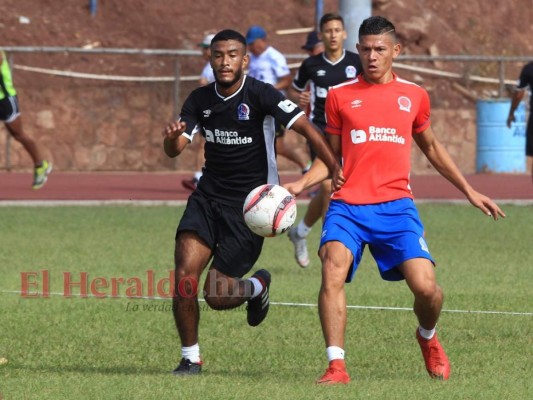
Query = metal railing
x=177 y=78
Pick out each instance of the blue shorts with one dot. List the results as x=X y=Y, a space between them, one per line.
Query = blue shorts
x=392 y=230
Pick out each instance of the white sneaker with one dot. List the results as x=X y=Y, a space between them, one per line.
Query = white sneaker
x=300 y=247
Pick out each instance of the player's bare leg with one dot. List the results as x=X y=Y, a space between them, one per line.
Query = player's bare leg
x=191 y=256
x=336 y=261
x=298 y=234
x=419 y=274
x=223 y=292
x=16 y=130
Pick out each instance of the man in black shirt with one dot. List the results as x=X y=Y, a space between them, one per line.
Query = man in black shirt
x=322 y=71
x=235 y=114
x=525 y=81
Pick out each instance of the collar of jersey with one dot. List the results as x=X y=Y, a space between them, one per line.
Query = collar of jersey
x=234 y=94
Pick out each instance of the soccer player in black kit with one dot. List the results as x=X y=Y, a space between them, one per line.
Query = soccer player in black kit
x=321 y=71
x=235 y=114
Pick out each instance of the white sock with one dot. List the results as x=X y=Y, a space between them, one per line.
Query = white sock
x=335 y=353
x=197 y=175
x=302 y=229
x=426 y=334
x=191 y=353
x=257 y=286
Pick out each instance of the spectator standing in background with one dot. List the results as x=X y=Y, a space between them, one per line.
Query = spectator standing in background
x=524 y=82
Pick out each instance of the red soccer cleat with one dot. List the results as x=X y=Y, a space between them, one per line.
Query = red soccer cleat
x=437 y=363
x=335 y=374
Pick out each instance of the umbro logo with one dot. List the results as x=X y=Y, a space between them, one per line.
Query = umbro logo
x=356 y=103
x=207 y=113
x=321 y=72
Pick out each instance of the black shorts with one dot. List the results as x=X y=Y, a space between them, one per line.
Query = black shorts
x=9 y=109
x=235 y=247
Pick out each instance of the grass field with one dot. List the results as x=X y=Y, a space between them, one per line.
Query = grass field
x=124 y=348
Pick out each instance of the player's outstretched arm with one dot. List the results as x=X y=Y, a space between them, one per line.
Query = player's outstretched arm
x=174 y=142
x=316 y=174
x=443 y=163
x=317 y=141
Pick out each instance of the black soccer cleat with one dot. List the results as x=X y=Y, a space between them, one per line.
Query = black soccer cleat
x=186 y=367
x=257 y=309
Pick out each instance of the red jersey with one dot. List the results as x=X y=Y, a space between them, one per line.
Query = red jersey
x=376 y=123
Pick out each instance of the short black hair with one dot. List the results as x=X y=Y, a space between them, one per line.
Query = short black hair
x=229 y=34
x=376 y=26
x=330 y=17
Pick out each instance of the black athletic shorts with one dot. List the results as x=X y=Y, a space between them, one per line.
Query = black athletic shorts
x=235 y=247
x=9 y=109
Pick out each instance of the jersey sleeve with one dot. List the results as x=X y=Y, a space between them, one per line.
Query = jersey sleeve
x=281 y=108
x=189 y=115
x=422 y=122
x=333 y=118
x=302 y=77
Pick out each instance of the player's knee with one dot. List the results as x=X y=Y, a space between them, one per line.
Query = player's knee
x=185 y=284
x=334 y=268
x=428 y=292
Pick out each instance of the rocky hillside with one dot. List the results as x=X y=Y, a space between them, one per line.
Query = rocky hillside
x=88 y=124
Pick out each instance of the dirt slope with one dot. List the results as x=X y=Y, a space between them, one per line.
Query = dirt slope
x=53 y=106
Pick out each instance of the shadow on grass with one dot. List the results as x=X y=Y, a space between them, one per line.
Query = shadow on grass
x=85 y=369
x=119 y=370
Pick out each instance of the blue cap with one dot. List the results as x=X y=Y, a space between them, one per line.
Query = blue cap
x=255 y=32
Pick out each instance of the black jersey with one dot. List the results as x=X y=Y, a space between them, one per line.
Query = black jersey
x=526 y=79
x=239 y=136
x=322 y=74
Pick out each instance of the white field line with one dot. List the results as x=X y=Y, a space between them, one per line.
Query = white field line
x=286 y=304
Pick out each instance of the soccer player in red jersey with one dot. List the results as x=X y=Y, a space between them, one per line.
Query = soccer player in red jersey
x=371 y=122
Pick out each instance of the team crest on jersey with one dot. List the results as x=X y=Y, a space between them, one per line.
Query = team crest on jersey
x=350 y=71
x=243 y=112
x=404 y=103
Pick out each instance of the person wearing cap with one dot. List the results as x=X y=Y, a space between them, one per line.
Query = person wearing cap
x=313 y=45
x=332 y=67
x=268 y=65
x=206 y=77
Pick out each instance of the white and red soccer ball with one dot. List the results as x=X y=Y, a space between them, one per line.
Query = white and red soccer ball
x=269 y=210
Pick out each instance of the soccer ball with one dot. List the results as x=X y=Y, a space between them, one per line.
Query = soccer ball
x=269 y=210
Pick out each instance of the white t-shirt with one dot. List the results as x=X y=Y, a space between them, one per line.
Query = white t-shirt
x=207 y=73
x=269 y=66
